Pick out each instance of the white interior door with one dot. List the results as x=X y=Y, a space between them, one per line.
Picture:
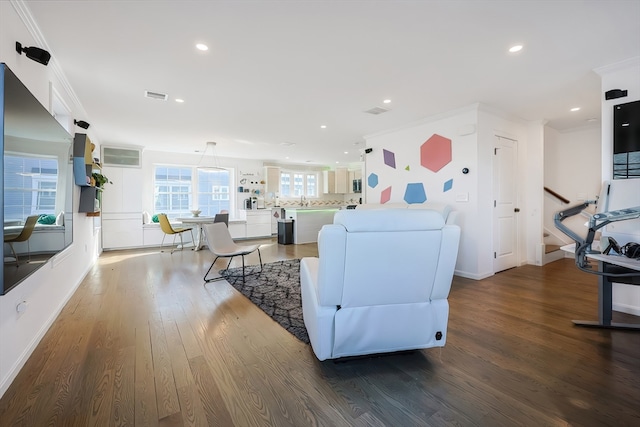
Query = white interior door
x=505 y=192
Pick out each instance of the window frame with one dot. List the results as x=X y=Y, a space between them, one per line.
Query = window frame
x=194 y=192
x=306 y=174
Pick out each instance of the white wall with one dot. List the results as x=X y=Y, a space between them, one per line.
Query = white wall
x=472 y=132
x=572 y=160
x=49 y=288
x=623 y=75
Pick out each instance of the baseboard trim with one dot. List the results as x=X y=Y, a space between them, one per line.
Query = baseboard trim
x=473 y=276
x=625 y=308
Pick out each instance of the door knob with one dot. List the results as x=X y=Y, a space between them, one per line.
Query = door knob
x=516 y=210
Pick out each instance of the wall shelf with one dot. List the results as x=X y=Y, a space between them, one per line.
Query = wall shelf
x=83 y=166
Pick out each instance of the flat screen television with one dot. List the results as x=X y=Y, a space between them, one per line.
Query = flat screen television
x=36 y=180
x=626 y=140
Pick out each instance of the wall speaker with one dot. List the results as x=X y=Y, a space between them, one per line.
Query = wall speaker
x=615 y=93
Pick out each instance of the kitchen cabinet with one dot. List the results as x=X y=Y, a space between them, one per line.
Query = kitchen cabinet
x=123 y=196
x=329 y=182
x=342 y=184
x=272 y=174
x=258 y=223
x=336 y=181
x=123 y=230
x=121 y=223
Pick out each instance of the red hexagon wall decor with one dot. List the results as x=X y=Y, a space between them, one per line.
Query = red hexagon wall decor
x=435 y=153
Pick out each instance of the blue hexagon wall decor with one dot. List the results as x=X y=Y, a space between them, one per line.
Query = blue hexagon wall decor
x=372 y=180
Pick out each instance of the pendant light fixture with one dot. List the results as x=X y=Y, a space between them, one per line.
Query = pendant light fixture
x=211 y=146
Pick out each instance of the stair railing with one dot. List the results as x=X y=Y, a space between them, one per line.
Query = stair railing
x=557 y=196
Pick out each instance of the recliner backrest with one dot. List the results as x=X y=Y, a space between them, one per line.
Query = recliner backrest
x=388 y=256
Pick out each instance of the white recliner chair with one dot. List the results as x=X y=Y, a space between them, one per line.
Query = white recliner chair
x=380 y=283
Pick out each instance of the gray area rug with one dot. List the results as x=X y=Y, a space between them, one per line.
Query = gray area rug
x=276 y=290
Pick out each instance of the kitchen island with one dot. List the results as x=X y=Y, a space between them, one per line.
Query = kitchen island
x=307 y=222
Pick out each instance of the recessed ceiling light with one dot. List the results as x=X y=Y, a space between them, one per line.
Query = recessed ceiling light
x=386 y=101
x=202 y=46
x=516 y=48
x=179 y=100
x=575 y=109
x=337 y=162
x=346 y=152
x=323 y=126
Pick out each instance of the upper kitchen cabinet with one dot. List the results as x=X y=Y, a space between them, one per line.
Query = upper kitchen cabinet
x=336 y=181
x=342 y=184
x=272 y=174
x=329 y=182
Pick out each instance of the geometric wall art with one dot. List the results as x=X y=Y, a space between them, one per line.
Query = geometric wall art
x=447 y=186
x=435 y=153
x=415 y=193
x=389 y=158
x=372 y=181
x=385 y=196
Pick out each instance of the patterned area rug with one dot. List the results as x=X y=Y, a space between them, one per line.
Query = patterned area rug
x=276 y=291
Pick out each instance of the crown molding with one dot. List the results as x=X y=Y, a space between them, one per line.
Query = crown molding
x=34 y=30
x=618 y=66
x=426 y=120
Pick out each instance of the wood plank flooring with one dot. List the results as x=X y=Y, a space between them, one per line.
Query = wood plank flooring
x=143 y=342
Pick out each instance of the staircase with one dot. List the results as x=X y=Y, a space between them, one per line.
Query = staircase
x=552 y=251
x=552 y=238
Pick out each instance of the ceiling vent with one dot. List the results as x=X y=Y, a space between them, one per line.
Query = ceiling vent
x=156 y=95
x=377 y=110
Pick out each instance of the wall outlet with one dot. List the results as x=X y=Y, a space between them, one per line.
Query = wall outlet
x=462 y=197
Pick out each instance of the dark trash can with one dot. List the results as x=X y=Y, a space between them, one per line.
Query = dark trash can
x=285 y=231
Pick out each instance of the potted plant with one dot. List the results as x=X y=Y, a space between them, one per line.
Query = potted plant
x=100 y=179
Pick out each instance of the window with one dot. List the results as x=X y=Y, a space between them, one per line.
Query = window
x=176 y=187
x=172 y=190
x=296 y=184
x=213 y=191
x=30 y=186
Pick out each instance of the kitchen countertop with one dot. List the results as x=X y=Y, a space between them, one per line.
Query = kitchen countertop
x=310 y=208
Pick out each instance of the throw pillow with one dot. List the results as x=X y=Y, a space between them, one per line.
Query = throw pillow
x=47 y=219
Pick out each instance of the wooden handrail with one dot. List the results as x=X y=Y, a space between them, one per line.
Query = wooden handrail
x=556 y=195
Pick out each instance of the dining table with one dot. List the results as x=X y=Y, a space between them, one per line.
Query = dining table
x=198 y=221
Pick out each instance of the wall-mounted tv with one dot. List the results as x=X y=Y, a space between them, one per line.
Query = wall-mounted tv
x=626 y=140
x=36 y=181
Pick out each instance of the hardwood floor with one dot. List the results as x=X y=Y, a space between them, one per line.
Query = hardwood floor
x=144 y=342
